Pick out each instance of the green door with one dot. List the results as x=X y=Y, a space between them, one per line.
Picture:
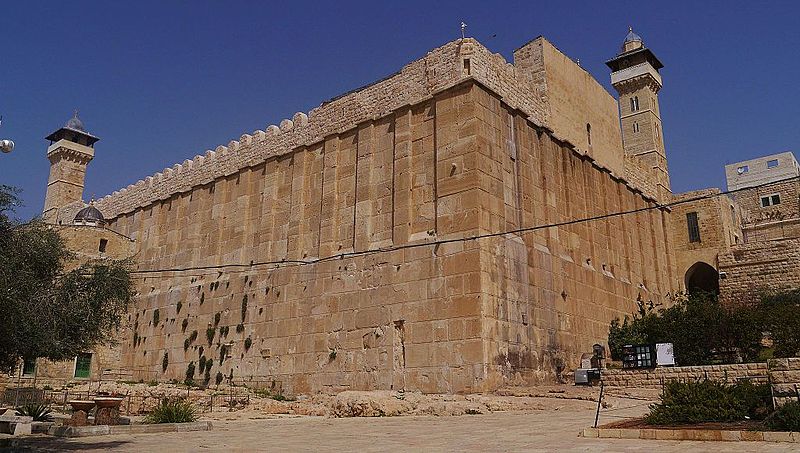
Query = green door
x=83 y=365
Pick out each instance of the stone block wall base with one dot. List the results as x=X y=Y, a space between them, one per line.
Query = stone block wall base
x=101 y=430
x=691 y=434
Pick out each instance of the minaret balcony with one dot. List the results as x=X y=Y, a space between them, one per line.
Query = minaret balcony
x=635 y=71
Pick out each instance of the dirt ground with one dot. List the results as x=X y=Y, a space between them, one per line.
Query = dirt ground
x=515 y=419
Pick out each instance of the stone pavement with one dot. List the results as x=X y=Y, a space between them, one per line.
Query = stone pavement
x=545 y=430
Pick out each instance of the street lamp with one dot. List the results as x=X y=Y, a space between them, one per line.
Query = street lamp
x=6 y=146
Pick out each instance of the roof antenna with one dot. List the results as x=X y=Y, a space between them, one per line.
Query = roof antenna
x=463 y=29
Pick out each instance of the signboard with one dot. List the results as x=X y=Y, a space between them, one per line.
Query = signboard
x=638 y=356
x=665 y=354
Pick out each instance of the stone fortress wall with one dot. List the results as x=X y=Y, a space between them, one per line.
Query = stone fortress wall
x=439 y=69
x=455 y=145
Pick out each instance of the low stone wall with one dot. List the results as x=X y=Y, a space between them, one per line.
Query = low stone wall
x=655 y=377
x=785 y=376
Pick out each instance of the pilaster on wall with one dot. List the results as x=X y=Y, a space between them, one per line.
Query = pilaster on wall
x=549 y=294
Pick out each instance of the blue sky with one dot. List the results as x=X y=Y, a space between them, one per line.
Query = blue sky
x=162 y=81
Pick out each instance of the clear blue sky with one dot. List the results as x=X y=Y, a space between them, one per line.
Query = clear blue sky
x=162 y=81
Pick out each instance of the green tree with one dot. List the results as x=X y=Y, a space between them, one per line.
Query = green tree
x=781 y=318
x=701 y=330
x=47 y=310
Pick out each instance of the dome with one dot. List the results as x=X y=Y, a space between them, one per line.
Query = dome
x=75 y=123
x=632 y=37
x=632 y=41
x=89 y=216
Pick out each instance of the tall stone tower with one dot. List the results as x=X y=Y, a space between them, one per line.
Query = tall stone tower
x=70 y=151
x=636 y=78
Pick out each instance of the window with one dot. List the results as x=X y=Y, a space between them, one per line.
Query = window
x=102 y=247
x=770 y=200
x=772 y=163
x=29 y=367
x=657 y=131
x=635 y=126
x=83 y=365
x=635 y=104
x=589 y=133
x=743 y=169
x=694 y=227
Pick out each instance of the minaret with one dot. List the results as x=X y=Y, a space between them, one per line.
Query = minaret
x=71 y=149
x=635 y=77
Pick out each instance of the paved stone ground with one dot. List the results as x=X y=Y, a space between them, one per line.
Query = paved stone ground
x=553 y=429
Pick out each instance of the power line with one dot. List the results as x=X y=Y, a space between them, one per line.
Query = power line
x=237 y=267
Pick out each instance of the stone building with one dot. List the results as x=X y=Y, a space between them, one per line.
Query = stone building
x=85 y=234
x=748 y=241
x=445 y=229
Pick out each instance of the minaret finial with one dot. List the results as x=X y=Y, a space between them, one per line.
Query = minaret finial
x=463 y=29
x=630 y=28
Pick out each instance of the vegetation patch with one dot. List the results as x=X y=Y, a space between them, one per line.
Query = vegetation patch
x=707 y=401
x=177 y=410
x=704 y=332
x=785 y=418
x=189 y=374
x=39 y=412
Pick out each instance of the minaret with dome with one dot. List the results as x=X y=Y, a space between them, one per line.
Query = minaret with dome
x=635 y=75
x=70 y=151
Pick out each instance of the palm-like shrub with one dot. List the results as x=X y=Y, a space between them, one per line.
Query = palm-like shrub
x=173 y=411
x=39 y=412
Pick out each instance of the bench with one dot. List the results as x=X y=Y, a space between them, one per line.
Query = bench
x=15 y=424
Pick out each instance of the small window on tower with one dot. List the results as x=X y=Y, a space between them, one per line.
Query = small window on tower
x=589 y=133
x=693 y=226
x=772 y=163
x=102 y=247
x=635 y=104
x=635 y=127
x=657 y=131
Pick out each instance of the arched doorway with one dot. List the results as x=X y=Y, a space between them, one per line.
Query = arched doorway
x=702 y=277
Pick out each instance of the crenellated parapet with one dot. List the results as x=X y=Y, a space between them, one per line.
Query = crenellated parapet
x=440 y=69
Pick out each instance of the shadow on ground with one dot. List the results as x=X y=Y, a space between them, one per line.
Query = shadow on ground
x=56 y=444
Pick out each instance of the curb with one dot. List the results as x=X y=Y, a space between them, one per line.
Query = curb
x=103 y=430
x=691 y=434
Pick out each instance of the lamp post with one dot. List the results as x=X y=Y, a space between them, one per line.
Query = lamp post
x=6 y=145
